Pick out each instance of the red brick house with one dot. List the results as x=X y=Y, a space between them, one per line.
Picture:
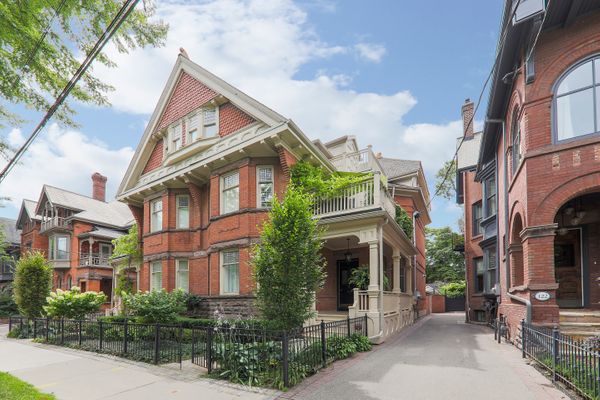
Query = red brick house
x=538 y=169
x=200 y=184
x=75 y=232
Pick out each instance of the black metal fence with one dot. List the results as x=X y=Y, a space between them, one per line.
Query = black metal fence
x=245 y=355
x=576 y=363
x=271 y=358
x=153 y=343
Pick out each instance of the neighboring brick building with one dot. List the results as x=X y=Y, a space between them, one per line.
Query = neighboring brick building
x=12 y=246
x=75 y=232
x=200 y=184
x=539 y=167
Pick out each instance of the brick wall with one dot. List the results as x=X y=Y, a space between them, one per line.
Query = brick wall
x=232 y=119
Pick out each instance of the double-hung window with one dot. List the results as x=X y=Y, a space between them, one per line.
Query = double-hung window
x=59 y=247
x=490 y=254
x=230 y=192
x=105 y=251
x=264 y=179
x=209 y=122
x=479 y=274
x=183 y=211
x=490 y=196
x=477 y=214
x=192 y=127
x=182 y=277
x=230 y=272
x=156 y=275
x=176 y=137
x=156 y=215
x=516 y=142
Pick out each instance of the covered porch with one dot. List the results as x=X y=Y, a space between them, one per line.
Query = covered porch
x=381 y=251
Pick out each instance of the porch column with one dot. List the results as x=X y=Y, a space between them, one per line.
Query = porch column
x=374 y=290
x=396 y=271
x=409 y=273
x=90 y=257
x=373 y=265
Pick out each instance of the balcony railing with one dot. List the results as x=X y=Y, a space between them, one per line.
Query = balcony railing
x=360 y=161
x=54 y=222
x=367 y=195
x=93 y=260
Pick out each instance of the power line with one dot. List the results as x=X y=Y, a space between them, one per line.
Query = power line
x=470 y=123
x=110 y=30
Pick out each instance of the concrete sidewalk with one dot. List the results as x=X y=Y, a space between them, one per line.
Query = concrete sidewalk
x=440 y=358
x=71 y=374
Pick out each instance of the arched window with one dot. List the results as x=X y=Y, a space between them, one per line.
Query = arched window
x=516 y=140
x=577 y=101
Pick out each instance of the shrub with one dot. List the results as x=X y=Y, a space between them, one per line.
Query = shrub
x=361 y=342
x=404 y=220
x=454 y=289
x=340 y=347
x=288 y=265
x=156 y=306
x=360 y=277
x=73 y=304
x=32 y=284
x=7 y=303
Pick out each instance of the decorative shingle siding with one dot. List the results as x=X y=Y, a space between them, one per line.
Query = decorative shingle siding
x=188 y=95
x=232 y=119
x=156 y=157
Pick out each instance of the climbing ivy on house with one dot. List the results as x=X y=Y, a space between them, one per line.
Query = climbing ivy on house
x=404 y=220
x=128 y=251
x=319 y=183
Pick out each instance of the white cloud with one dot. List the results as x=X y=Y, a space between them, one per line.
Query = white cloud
x=64 y=158
x=370 y=51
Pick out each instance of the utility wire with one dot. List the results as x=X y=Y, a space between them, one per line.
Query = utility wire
x=110 y=30
x=470 y=123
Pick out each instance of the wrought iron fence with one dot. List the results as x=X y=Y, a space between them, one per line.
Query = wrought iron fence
x=252 y=356
x=576 y=363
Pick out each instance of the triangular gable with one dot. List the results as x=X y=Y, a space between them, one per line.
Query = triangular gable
x=155 y=159
x=188 y=87
x=23 y=215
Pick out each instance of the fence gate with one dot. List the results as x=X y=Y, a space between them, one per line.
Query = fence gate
x=455 y=304
x=201 y=343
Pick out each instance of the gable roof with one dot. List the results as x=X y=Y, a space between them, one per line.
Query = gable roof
x=28 y=208
x=394 y=167
x=247 y=104
x=115 y=214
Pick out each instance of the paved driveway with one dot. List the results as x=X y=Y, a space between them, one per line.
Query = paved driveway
x=81 y=375
x=440 y=358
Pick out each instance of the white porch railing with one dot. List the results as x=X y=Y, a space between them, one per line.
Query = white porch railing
x=365 y=195
x=53 y=222
x=93 y=259
x=361 y=300
x=360 y=161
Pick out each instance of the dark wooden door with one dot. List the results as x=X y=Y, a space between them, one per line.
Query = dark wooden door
x=567 y=269
x=345 y=290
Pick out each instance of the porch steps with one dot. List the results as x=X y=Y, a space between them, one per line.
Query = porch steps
x=580 y=323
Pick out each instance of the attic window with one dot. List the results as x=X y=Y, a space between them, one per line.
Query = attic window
x=210 y=122
x=192 y=128
x=176 y=136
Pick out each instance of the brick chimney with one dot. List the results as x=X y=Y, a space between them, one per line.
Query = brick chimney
x=467 y=111
x=99 y=187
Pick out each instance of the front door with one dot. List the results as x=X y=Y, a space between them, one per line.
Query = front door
x=345 y=290
x=567 y=269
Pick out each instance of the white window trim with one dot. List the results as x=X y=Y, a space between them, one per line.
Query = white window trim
x=53 y=247
x=222 y=272
x=216 y=108
x=151 y=274
x=196 y=113
x=222 y=191
x=172 y=135
x=105 y=245
x=177 y=211
x=177 y=283
x=152 y=202
x=258 y=199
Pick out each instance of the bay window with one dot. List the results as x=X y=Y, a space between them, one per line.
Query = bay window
x=182 y=277
x=183 y=211
x=209 y=122
x=192 y=128
x=479 y=269
x=264 y=190
x=58 y=247
x=476 y=220
x=156 y=275
x=490 y=260
x=230 y=272
x=489 y=186
x=176 y=136
x=230 y=192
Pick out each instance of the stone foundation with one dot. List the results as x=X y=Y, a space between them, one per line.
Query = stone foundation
x=228 y=306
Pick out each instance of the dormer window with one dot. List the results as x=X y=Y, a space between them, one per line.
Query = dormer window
x=210 y=122
x=577 y=101
x=192 y=128
x=176 y=137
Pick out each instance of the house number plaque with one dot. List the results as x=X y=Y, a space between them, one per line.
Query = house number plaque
x=542 y=296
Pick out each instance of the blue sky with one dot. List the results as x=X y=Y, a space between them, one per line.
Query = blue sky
x=394 y=73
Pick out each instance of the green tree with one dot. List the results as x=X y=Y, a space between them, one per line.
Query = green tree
x=32 y=284
x=288 y=266
x=34 y=74
x=445 y=181
x=454 y=289
x=404 y=220
x=444 y=263
x=127 y=254
x=73 y=304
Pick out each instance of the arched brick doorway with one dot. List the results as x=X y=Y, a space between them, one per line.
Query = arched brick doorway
x=577 y=252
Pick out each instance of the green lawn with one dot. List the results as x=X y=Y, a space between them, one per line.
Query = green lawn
x=12 y=388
